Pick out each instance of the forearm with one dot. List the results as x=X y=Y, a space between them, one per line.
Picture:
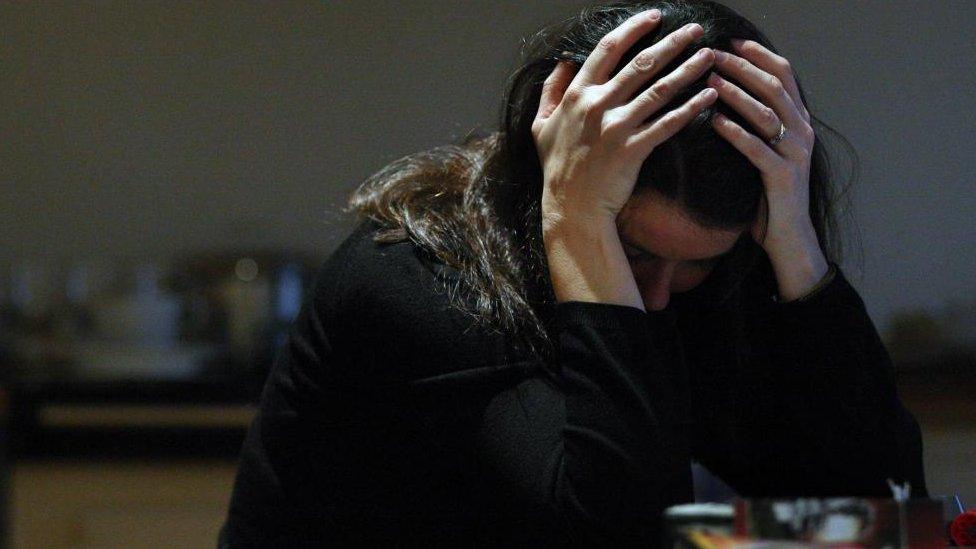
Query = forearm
x=587 y=263
x=812 y=409
x=799 y=265
x=594 y=458
x=845 y=389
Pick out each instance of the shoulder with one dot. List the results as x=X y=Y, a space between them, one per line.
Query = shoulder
x=390 y=311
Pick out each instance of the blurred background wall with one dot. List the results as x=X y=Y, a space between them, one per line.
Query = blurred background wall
x=139 y=130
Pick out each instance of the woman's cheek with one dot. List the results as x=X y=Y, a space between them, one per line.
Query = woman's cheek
x=687 y=279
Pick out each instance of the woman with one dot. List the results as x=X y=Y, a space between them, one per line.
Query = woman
x=531 y=336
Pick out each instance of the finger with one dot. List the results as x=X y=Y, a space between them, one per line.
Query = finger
x=649 y=62
x=762 y=118
x=660 y=93
x=665 y=126
x=554 y=87
x=755 y=149
x=774 y=64
x=768 y=87
x=607 y=53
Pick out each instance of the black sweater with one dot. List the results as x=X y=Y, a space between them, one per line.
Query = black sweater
x=390 y=417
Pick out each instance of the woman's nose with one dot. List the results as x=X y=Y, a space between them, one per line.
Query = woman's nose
x=657 y=286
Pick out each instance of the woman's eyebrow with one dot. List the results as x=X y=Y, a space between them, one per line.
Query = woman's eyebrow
x=722 y=255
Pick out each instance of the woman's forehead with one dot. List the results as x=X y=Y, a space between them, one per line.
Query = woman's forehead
x=659 y=225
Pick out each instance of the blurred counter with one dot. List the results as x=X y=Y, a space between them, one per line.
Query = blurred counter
x=205 y=416
x=132 y=463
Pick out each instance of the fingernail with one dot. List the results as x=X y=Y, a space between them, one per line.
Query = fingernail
x=720 y=56
x=654 y=14
x=737 y=42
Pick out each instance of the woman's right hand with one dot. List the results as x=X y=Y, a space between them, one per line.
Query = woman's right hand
x=591 y=140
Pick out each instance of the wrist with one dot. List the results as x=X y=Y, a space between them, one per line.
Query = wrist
x=557 y=220
x=816 y=288
x=799 y=274
x=576 y=226
x=587 y=262
x=799 y=263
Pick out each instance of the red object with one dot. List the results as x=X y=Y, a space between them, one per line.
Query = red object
x=963 y=528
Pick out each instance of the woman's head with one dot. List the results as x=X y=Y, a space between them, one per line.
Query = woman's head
x=477 y=206
x=669 y=252
x=697 y=171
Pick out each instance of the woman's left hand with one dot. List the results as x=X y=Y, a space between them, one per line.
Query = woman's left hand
x=790 y=240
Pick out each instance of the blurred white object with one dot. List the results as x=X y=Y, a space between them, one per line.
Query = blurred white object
x=246 y=300
x=148 y=317
x=33 y=289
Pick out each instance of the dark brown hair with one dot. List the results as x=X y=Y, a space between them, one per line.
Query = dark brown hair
x=476 y=205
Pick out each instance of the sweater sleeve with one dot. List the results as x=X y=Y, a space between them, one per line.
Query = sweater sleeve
x=592 y=455
x=816 y=411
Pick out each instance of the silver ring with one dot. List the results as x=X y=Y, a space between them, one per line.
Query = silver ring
x=782 y=133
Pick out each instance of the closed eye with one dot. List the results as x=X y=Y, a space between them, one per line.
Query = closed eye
x=701 y=264
x=636 y=256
